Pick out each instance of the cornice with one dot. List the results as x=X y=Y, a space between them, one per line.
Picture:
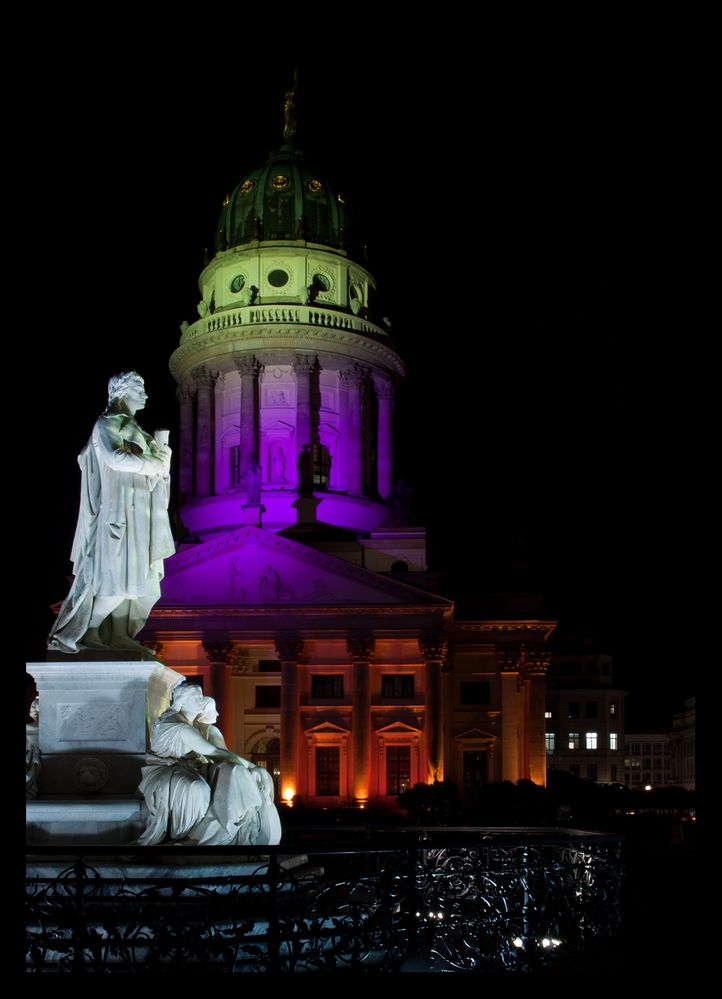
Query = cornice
x=209 y=347
x=285 y=611
x=489 y=627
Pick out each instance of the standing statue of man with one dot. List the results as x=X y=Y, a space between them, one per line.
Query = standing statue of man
x=123 y=532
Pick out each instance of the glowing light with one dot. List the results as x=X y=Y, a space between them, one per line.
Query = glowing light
x=546 y=942
x=288 y=793
x=647 y=787
x=518 y=942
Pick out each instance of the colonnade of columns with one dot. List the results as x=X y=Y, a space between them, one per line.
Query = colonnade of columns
x=197 y=473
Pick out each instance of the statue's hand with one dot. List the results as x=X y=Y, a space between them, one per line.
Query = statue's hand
x=164 y=453
x=239 y=759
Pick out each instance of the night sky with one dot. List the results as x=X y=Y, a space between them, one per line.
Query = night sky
x=512 y=208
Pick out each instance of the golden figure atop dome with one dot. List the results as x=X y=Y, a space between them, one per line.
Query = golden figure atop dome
x=289 y=110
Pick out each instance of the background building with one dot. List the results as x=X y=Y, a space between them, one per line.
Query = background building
x=648 y=760
x=682 y=738
x=584 y=716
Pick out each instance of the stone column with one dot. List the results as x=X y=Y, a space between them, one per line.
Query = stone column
x=184 y=394
x=289 y=651
x=434 y=652
x=218 y=479
x=535 y=668
x=249 y=369
x=361 y=650
x=217 y=654
x=353 y=377
x=385 y=395
x=510 y=717
x=303 y=366
x=203 y=432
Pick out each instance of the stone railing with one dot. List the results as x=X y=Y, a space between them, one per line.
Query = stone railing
x=255 y=315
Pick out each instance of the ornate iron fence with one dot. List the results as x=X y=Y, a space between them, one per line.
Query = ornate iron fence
x=476 y=902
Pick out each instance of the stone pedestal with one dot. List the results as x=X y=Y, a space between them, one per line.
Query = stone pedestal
x=95 y=721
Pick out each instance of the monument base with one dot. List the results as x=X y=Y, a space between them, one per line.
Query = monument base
x=83 y=821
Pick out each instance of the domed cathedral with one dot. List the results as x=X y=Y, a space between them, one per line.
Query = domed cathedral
x=299 y=594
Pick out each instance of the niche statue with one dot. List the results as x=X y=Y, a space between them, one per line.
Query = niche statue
x=123 y=533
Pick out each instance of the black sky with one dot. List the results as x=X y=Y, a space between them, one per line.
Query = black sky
x=512 y=206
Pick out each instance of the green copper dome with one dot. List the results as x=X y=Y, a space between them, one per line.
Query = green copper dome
x=286 y=199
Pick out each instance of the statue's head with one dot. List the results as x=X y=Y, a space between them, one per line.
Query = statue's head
x=209 y=712
x=188 y=698
x=128 y=385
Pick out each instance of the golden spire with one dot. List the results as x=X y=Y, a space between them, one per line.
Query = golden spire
x=289 y=110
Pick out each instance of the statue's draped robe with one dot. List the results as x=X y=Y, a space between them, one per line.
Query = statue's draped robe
x=123 y=532
x=209 y=801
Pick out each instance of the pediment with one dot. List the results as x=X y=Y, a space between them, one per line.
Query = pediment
x=253 y=567
x=327 y=728
x=397 y=728
x=475 y=735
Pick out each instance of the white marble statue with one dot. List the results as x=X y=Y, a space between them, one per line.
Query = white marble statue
x=123 y=533
x=196 y=790
x=32 y=752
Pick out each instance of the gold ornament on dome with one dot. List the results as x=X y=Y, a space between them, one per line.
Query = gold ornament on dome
x=279 y=182
x=226 y=200
x=315 y=186
x=246 y=186
x=341 y=198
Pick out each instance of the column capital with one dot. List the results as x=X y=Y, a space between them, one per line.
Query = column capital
x=303 y=364
x=248 y=365
x=185 y=391
x=361 y=647
x=384 y=387
x=354 y=374
x=289 y=649
x=217 y=652
x=434 y=649
x=527 y=661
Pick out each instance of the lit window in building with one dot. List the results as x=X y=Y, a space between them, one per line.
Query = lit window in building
x=327 y=770
x=268 y=697
x=612 y=709
x=591 y=709
x=475 y=769
x=591 y=771
x=613 y=740
x=475 y=692
x=397 y=685
x=547 y=714
x=398 y=769
x=234 y=476
x=573 y=709
x=613 y=772
x=549 y=742
x=591 y=740
x=574 y=740
x=326 y=686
